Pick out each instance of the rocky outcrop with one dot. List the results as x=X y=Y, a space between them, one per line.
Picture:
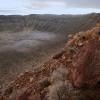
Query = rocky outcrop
x=86 y=70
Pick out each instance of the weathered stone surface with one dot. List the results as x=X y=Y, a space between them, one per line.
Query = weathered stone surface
x=86 y=70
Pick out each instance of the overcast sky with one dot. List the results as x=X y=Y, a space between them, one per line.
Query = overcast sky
x=25 y=7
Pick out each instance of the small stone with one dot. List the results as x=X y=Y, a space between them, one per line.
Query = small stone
x=31 y=79
x=70 y=36
x=17 y=85
x=80 y=44
x=63 y=57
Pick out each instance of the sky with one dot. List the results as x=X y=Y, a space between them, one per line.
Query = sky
x=25 y=7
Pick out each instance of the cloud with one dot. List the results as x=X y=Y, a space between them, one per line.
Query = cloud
x=9 y=11
x=68 y=3
x=37 y=5
x=83 y=3
x=48 y=6
x=41 y=4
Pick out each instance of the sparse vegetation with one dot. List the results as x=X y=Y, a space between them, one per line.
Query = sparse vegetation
x=58 y=89
x=61 y=88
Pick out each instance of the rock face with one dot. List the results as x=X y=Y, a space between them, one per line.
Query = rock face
x=86 y=71
x=49 y=23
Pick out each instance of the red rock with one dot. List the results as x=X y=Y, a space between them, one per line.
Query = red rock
x=34 y=97
x=24 y=94
x=86 y=71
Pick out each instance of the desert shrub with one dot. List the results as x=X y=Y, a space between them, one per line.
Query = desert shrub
x=59 y=75
x=61 y=88
x=44 y=83
x=58 y=92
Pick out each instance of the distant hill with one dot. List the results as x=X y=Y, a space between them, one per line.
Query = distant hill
x=50 y=23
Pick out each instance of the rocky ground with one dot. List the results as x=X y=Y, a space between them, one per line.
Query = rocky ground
x=72 y=74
